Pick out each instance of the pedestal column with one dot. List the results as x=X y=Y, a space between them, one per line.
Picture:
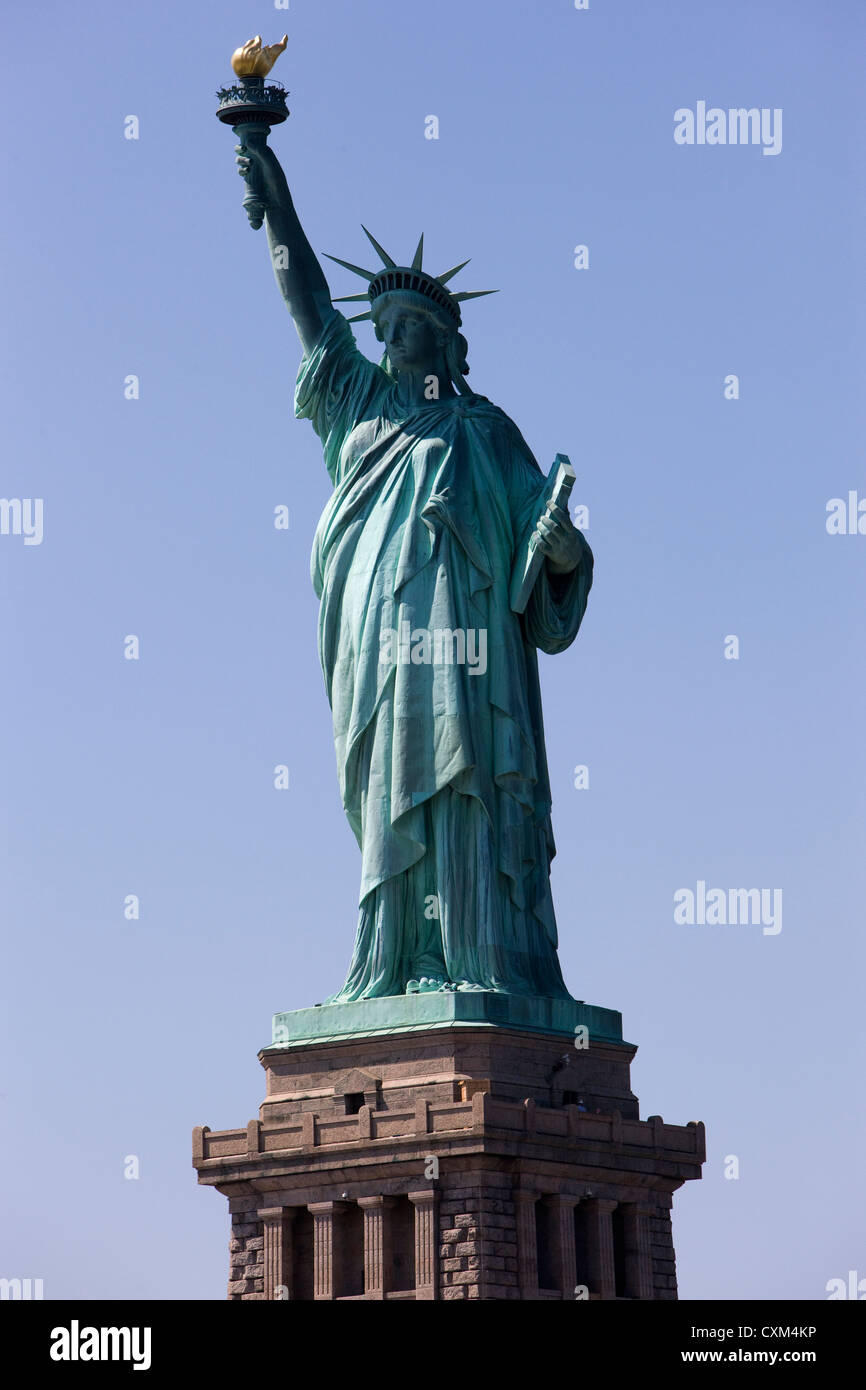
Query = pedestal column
x=376 y=1252
x=527 y=1249
x=277 y=1251
x=600 y=1247
x=325 y=1256
x=563 y=1236
x=638 y=1253
x=426 y=1242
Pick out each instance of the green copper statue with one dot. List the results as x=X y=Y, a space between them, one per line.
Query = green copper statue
x=431 y=673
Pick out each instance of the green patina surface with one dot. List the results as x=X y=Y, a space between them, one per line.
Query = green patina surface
x=409 y=1013
x=442 y=764
x=434 y=603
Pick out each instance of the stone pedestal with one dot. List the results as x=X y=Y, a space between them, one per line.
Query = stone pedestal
x=450 y=1157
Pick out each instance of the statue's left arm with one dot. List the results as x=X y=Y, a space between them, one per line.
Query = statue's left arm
x=558 y=602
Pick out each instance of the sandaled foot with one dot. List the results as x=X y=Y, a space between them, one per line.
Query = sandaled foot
x=426 y=984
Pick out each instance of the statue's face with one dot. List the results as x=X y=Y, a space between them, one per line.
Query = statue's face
x=411 y=339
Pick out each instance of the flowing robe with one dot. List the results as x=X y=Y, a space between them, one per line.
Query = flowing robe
x=442 y=765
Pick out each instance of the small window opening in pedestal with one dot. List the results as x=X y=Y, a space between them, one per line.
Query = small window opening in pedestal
x=354 y=1101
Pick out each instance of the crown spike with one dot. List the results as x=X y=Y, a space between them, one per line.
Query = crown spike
x=449 y=274
x=347 y=298
x=472 y=294
x=356 y=318
x=380 y=250
x=356 y=269
x=419 y=252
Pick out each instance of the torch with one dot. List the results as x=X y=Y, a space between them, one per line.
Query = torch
x=251 y=108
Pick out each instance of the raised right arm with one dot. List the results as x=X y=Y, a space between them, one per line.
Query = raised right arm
x=299 y=275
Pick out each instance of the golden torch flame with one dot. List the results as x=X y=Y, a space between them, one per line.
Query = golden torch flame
x=254 y=61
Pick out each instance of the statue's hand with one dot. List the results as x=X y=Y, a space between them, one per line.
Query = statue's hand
x=559 y=540
x=259 y=164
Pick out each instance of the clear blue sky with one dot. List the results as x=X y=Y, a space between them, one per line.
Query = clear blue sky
x=707 y=518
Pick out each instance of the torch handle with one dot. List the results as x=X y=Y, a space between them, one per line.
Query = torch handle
x=254 y=134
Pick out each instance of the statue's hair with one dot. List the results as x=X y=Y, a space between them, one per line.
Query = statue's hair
x=451 y=340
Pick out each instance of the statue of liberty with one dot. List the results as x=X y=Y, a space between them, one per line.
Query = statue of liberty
x=431 y=674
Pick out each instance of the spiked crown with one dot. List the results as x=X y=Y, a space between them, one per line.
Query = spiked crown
x=407 y=277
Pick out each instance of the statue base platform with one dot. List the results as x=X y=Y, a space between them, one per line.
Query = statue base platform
x=450 y=1147
x=404 y=1013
